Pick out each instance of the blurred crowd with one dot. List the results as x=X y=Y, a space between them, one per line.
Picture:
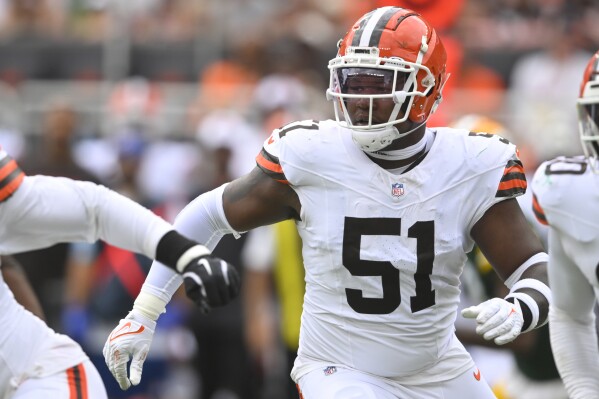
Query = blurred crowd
x=162 y=100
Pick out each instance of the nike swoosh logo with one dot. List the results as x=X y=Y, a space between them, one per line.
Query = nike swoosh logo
x=118 y=332
x=476 y=374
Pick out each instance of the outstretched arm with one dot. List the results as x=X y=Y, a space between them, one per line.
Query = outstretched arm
x=507 y=240
x=250 y=201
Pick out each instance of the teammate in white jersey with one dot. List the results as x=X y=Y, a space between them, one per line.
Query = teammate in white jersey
x=566 y=197
x=39 y=211
x=387 y=210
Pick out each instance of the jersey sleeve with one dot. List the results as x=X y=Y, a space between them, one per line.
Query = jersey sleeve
x=268 y=158
x=500 y=172
x=513 y=181
x=11 y=176
x=287 y=146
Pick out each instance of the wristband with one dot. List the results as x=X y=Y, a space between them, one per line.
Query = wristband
x=149 y=305
x=533 y=260
x=190 y=254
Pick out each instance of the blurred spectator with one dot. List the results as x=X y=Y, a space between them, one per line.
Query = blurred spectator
x=273 y=257
x=53 y=156
x=31 y=19
x=223 y=364
x=542 y=92
x=169 y=21
x=479 y=89
x=232 y=142
x=117 y=278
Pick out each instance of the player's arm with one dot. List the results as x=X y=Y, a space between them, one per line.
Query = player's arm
x=250 y=201
x=507 y=240
x=46 y=210
x=258 y=200
x=572 y=324
x=17 y=281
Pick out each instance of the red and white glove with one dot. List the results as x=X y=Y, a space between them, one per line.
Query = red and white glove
x=130 y=340
x=497 y=319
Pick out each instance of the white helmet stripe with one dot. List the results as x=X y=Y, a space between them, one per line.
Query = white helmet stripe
x=372 y=23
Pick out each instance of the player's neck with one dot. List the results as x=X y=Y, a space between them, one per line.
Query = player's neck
x=403 y=151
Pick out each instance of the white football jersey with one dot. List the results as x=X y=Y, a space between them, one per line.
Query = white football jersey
x=28 y=347
x=566 y=197
x=383 y=252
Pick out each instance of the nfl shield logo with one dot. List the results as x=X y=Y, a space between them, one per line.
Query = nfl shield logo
x=397 y=189
x=330 y=370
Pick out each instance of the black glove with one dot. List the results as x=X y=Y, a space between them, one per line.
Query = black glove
x=211 y=282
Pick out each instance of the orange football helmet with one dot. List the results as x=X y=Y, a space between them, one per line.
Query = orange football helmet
x=403 y=51
x=588 y=112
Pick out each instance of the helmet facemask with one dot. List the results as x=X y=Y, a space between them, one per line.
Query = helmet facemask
x=362 y=75
x=588 y=125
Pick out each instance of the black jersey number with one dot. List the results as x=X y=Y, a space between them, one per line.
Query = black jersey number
x=423 y=232
x=566 y=166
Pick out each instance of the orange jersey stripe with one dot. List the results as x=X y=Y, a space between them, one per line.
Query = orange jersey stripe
x=516 y=168
x=266 y=164
x=83 y=375
x=299 y=391
x=11 y=187
x=538 y=211
x=77 y=380
x=7 y=169
x=73 y=382
x=515 y=183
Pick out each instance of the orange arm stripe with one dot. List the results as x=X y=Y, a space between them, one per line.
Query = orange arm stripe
x=266 y=164
x=270 y=165
x=12 y=186
x=538 y=211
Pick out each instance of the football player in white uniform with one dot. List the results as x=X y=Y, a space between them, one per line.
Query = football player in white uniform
x=566 y=197
x=39 y=211
x=387 y=210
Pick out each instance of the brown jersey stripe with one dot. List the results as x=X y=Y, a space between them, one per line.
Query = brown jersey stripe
x=513 y=166
x=77 y=380
x=7 y=166
x=514 y=183
x=512 y=192
x=269 y=162
x=271 y=168
x=538 y=211
x=11 y=177
x=10 y=188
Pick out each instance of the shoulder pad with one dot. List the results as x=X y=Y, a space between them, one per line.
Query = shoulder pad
x=268 y=158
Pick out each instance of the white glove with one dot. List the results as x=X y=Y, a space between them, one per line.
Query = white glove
x=497 y=319
x=131 y=339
